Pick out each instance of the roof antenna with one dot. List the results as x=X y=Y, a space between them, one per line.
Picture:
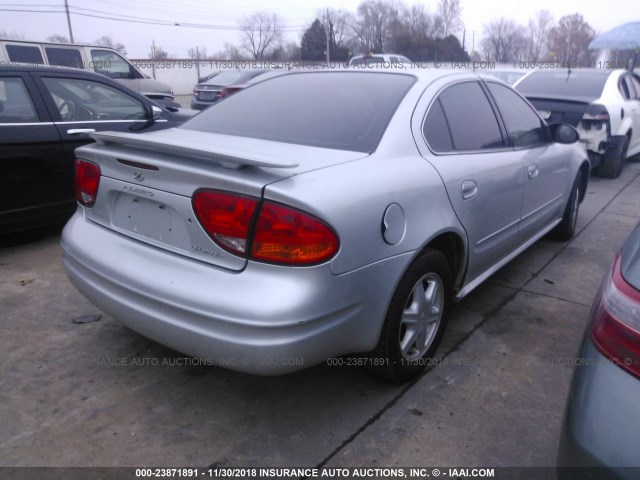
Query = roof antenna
x=567 y=56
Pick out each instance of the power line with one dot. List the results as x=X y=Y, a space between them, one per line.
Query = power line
x=132 y=19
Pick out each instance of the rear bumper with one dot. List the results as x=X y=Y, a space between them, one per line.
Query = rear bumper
x=264 y=320
x=600 y=436
x=201 y=104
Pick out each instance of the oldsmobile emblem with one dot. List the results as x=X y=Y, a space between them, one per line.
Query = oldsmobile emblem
x=138 y=176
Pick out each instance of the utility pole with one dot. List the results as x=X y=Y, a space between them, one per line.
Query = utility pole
x=328 y=59
x=66 y=7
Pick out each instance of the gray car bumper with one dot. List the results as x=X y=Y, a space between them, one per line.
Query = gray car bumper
x=265 y=320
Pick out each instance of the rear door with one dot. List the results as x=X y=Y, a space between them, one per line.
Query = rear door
x=34 y=173
x=546 y=166
x=483 y=176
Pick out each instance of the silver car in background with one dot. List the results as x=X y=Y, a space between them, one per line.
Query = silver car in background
x=342 y=216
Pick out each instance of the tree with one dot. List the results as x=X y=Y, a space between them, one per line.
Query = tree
x=158 y=53
x=538 y=31
x=450 y=13
x=285 y=52
x=421 y=23
x=11 y=35
x=106 y=41
x=230 y=52
x=58 y=39
x=198 y=53
x=504 y=41
x=372 y=24
x=261 y=32
x=569 y=41
x=314 y=42
x=336 y=23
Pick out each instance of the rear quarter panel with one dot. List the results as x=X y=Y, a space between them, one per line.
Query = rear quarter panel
x=353 y=197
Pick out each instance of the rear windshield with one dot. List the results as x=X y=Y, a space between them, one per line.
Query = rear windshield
x=233 y=76
x=339 y=110
x=587 y=85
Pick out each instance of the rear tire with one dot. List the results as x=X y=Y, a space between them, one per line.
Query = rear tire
x=566 y=229
x=416 y=319
x=612 y=162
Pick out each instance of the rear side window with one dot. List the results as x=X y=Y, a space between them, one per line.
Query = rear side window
x=436 y=131
x=64 y=57
x=24 y=54
x=470 y=117
x=338 y=110
x=15 y=103
x=524 y=127
x=626 y=88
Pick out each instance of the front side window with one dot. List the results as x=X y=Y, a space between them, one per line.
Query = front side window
x=524 y=127
x=471 y=120
x=86 y=100
x=15 y=103
x=111 y=64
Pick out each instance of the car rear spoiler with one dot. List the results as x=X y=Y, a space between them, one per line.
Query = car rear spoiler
x=223 y=149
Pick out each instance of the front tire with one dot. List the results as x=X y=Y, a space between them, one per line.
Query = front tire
x=416 y=318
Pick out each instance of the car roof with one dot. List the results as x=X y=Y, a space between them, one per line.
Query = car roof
x=594 y=72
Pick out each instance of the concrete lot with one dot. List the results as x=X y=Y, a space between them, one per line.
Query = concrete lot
x=495 y=399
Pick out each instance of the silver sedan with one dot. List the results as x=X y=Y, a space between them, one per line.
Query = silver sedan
x=319 y=214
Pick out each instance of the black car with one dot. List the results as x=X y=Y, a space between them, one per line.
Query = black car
x=45 y=114
x=209 y=92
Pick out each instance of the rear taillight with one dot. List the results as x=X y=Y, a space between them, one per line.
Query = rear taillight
x=596 y=117
x=285 y=235
x=615 y=327
x=270 y=232
x=229 y=91
x=226 y=218
x=87 y=182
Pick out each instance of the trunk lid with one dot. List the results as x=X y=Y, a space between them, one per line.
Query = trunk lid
x=148 y=181
x=561 y=110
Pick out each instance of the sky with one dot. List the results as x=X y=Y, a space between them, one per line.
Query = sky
x=219 y=18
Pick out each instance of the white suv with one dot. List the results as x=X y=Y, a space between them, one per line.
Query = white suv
x=380 y=60
x=603 y=105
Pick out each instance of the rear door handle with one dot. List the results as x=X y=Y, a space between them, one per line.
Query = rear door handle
x=76 y=131
x=469 y=189
x=532 y=171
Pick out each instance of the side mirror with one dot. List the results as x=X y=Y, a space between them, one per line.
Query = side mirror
x=157 y=111
x=563 y=133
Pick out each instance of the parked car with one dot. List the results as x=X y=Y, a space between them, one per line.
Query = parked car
x=92 y=58
x=380 y=60
x=603 y=105
x=507 y=75
x=231 y=89
x=602 y=418
x=208 y=76
x=44 y=115
x=343 y=215
x=209 y=92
